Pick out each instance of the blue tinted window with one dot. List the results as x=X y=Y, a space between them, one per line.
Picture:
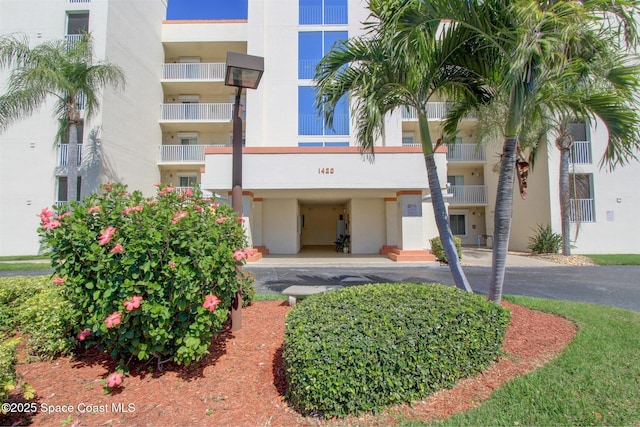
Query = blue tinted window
x=309 y=53
x=310 y=144
x=312 y=46
x=336 y=144
x=310 y=120
x=318 y=12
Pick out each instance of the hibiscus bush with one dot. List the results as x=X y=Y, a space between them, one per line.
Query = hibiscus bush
x=147 y=277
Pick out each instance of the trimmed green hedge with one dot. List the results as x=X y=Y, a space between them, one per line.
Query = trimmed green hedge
x=364 y=347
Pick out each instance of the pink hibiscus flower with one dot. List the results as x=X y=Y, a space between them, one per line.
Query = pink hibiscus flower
x=58 y=280
x=64 y=215
x=221 y=219
x=93 y=209
x=133 y=303
x=51 y=225
x=84 y=334
x=113 y=319
x=117 y=249
x=45 y=215
x=239 y=255
x=106 y=235
x=178 y=216
x=211 y=302
x=115 y=379
x=172 y=264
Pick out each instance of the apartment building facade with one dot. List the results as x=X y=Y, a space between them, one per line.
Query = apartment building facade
x=305 y=183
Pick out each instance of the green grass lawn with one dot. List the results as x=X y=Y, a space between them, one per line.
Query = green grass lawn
x=616 y=259
x=595 y=381
x=24 y=266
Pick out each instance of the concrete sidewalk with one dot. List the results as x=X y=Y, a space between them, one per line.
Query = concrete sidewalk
x=480 y=257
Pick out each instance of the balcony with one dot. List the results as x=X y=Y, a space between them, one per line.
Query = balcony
x=468 y=194
x=197 y=112
x=466 y=153
x=435 y=111
x=63 y=155
x=582 y=210
x=210 y=72
x=183 y=154
x=581 y=153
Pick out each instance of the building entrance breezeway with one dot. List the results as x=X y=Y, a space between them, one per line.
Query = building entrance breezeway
x=321 y=224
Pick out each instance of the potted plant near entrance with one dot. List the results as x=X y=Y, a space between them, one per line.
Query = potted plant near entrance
x=347 y=242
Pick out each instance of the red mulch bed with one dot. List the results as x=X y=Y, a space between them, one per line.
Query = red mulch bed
x=241 y=382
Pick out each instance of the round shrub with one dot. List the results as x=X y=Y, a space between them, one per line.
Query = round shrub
x=364 y=347
x=147 y=277
x=438 y=250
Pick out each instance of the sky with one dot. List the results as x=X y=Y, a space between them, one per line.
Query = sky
x=206 y=9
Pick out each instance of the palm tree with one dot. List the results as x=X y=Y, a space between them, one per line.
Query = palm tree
x=524 y=44
x=602 y=84
x=65 y=71
x=382 y=76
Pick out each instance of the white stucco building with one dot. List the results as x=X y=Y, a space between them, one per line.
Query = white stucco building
x=304 y=183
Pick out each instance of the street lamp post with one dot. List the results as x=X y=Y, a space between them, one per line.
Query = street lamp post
x=243 y=71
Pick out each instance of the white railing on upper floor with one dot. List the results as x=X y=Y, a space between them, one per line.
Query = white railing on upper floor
x=468 y=194
x=435 y=111
x=197 y=112
x=582 y=210
x=581 y=153
x=466 y=153
x=197 y=71
x=79 y=1
x=63 y=155
x=184 y=153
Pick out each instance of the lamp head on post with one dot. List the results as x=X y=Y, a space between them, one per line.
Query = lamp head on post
x=243 y=70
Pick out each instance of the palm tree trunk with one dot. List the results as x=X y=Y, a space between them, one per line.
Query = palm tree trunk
x=442 y=222
x=72 y=163
x=565 y=201
x=502 y=220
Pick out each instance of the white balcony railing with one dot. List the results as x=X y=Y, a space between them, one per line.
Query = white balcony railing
x=72 y=39
x=582 y=210
x=435 y=111
x=79 y=1
x=197 y=112
x=581 y=153
x=213 y=71
x=468 y=194
x=63 y=154
x=466 y=153
x=184 y=153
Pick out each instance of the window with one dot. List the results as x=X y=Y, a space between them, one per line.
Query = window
x=324 y=144
x=77 y=23
x=408 y=139
x=62 y=188
x=581 y=150
x=188 y=181
x=319 y=12
x=310 y=119
x=312 y=46
x=458 y=223
x=581 y=205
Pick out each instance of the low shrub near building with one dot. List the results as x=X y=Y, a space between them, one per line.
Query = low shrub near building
x=545 y=241
x=147 y=277
x=37 y=309
x=438 y=250
x=364 y=347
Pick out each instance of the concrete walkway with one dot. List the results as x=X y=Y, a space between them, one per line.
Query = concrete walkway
x=479 y=257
